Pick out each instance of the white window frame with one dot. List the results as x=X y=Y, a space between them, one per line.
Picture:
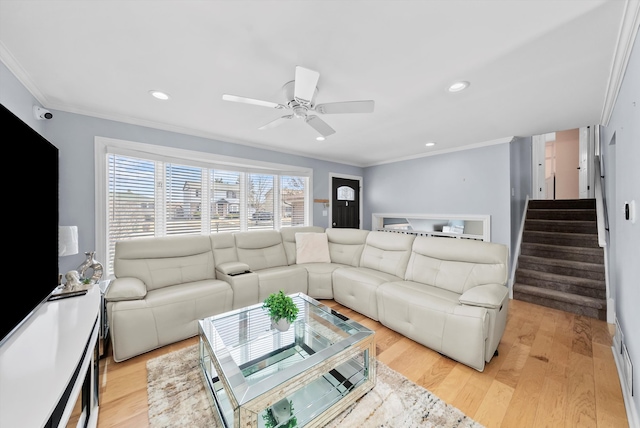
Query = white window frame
x=104 y=146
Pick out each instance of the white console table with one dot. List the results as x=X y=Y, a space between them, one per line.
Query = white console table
x=39 y=362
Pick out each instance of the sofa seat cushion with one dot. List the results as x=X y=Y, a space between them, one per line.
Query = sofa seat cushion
x=434 y=318
x=291 y=279
x=165 y=316
x=320 y=283
x=355 y=287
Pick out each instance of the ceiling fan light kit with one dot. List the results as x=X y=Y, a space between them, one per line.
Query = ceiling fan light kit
x=300 y=100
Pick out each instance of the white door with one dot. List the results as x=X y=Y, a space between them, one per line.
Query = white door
x=537 y=168
x=586 y=189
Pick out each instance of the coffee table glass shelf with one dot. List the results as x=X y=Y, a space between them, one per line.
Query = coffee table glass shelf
x=260 y=377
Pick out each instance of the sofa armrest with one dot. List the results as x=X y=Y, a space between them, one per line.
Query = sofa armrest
x=487 y=296
x=233 y=268
x=126 y=288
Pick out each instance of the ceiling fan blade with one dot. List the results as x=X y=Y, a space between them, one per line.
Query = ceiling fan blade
x=320 y=125
x=346 y=107
x=252 y=101
x=305 y=84
x=278 y=121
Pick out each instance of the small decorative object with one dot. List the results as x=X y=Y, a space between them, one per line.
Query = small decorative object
x=92 y=265
x=73 y=279
x=280 y=415
x=282 y=310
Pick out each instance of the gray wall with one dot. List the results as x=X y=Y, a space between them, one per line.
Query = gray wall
x=622 y=176
x=74 y=135
x=473 y=181
x=520 y=157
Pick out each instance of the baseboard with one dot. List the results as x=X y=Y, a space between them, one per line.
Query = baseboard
x=632 y=412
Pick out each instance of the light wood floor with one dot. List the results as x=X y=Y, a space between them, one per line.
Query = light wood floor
x=554 y=369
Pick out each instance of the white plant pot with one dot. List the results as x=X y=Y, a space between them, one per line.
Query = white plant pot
x=281 y=410
x=282 y=324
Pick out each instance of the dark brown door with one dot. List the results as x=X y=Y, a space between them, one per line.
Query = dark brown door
x=345 y=203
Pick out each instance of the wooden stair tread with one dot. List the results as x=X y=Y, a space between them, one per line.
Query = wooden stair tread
x=560 y=296
x=554 y=277
x=564 y=263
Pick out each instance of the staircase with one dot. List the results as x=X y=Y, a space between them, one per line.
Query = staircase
x=561 y=265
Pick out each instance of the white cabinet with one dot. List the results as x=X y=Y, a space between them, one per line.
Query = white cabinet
x=49 y=364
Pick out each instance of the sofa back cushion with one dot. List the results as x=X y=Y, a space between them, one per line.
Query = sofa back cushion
x=387 y=252
x=165 y=261
x=346 y=245
x=457 y=264
x=224 y=248
x=289 y=239
x=260 y=249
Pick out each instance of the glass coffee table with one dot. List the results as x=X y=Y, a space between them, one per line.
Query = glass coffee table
x=258 y=376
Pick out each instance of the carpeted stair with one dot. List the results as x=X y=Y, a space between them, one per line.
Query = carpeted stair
x=561 y=265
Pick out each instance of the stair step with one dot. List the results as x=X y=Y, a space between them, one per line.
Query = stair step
x=562 y=204
x=582 y=305
x=563 y=267
x=568 y=226
x=562 y=214
x=590 y=255
x=587 y=240
x=568 y=284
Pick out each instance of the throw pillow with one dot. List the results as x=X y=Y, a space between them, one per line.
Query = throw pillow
x=312 y=247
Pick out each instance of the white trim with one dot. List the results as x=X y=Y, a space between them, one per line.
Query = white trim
x=632 y=412
x=203 y=158
x=440 y=152
x=628 y=29
x=360 y=198
x=516 y=253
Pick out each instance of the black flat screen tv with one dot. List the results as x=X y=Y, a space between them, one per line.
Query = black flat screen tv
x=31 y=213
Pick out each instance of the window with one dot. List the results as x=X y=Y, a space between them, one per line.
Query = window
x=146 y=190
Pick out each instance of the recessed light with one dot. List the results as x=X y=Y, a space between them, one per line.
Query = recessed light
x=430 y=144
x=320 y=138
x=159 y=95
x=458 y=86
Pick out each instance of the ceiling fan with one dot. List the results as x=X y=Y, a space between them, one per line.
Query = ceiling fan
x=300 y=100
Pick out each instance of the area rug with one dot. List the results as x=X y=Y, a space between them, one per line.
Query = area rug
x=177 y=398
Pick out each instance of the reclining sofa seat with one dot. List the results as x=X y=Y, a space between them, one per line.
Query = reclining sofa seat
x=384 y=259
x=453 y=300
x=263 y=252
x=163 y=286
x=318 y=274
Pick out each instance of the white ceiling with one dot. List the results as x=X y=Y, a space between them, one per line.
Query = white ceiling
x=534 y=67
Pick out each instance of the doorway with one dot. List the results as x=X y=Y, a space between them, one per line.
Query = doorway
x=561 y=164
x=346 y=201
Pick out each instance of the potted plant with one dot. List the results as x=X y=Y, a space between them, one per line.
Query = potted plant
x=282 y=310
x=280 y=415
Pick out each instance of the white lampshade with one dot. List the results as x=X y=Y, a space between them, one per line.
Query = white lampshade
x=67 y=240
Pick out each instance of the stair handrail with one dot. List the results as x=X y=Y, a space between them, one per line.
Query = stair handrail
x=600 y=206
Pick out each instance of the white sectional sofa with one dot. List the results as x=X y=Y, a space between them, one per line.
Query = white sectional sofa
x=447 y=294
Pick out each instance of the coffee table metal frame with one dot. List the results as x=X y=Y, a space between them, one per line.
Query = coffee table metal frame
x=323 y=364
